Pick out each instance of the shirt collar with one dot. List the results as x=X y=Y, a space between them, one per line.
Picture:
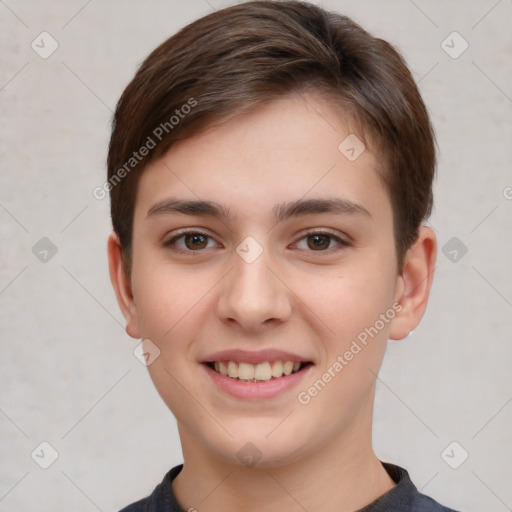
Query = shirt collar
x=400 y=497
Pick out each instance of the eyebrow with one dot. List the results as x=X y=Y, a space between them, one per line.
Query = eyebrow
x=281 y=212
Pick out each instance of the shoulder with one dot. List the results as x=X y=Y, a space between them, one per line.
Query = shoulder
x=423 y=503
x=405 y=496
x=161 y=499
x=148 y=504
x=138 y=506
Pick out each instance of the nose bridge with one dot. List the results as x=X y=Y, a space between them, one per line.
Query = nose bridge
x=253 y=295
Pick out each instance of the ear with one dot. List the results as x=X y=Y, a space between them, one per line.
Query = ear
x=414 y=282
x=122 y=285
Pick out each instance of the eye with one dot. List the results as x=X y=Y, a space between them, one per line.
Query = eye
x=191 y=241
x=320 y=241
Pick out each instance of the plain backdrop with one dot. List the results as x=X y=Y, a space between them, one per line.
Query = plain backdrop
x=68 y=373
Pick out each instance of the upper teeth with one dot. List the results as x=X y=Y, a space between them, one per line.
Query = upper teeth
x=262 y=371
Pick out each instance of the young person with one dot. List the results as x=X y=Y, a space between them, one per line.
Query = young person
x=269 y=169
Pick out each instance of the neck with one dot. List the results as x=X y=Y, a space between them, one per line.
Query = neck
x=344 y=476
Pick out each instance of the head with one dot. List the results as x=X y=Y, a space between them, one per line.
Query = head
x=297 y=154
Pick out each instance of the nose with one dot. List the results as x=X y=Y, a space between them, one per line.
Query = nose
x=254 y=297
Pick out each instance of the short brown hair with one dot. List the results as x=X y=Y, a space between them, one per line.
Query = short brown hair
x=234 y=59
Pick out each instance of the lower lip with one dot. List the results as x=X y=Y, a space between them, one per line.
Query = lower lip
x=256 y=390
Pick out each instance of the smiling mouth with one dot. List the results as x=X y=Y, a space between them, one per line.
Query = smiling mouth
x=262 y=372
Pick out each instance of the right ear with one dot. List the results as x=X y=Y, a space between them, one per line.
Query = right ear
x=122 y=285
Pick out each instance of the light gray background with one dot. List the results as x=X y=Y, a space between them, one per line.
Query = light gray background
x=68 y=374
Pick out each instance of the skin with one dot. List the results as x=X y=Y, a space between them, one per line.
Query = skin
x=295 y=296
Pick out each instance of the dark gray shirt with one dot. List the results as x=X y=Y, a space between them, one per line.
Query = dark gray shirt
x=404 y=497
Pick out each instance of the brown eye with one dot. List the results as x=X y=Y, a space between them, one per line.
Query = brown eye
x=319 y=241
x=194 y=241
x=191 y=241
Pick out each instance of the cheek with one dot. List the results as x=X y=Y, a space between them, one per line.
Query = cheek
x=357 y=309
x=167 y=296
x=356 y=305
x=170 y=302
x=348 y=301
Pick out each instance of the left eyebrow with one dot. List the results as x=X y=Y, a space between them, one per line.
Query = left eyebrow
x=313 y=206
x=281 y=212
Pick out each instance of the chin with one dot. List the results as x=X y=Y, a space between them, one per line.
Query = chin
x=258 y=446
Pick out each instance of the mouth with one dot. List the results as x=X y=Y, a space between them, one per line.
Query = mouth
x=261 y=372
x=256 y=375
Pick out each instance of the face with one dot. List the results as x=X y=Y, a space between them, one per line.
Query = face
x=260 y=249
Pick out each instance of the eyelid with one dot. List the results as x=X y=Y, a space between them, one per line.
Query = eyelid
x=344 y=239
x=186 y=231
x=322 y=231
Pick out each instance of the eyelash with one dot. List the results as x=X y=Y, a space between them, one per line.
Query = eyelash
x=312 y=232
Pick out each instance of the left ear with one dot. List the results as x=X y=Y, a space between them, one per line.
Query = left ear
x=414 y=282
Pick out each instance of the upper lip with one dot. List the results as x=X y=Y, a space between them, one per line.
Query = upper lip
x=254 y=357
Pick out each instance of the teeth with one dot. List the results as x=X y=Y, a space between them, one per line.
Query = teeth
x=263 y=371
x=277 y=369
x=287 y=367
x=256 y=372
x=245 y=371
x=233 y=369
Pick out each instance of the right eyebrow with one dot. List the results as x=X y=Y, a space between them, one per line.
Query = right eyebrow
x=189 y=207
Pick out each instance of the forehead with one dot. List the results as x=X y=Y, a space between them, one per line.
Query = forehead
x=290 y=148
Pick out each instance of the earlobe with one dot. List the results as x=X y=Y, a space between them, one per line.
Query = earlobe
x=122 y=286
x=414 y=283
